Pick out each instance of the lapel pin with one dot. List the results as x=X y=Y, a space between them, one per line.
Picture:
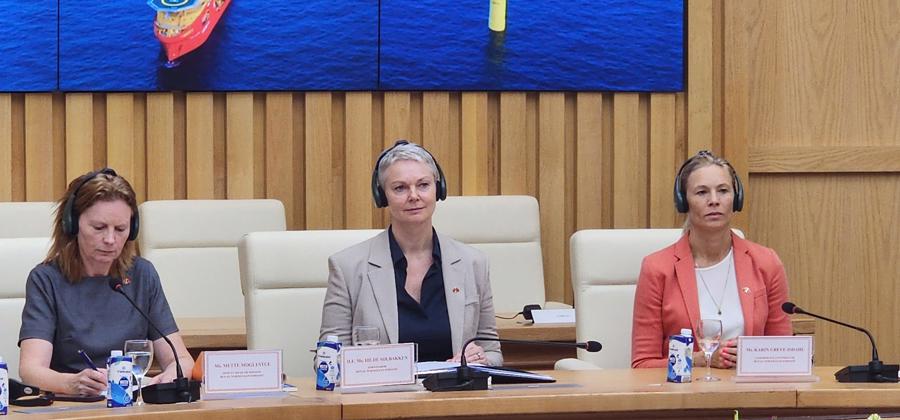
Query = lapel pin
x=746 y=290
x=456 y=290
x=126 y=281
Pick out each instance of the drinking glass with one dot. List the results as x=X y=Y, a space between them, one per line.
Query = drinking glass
x=141 y=352
x=710 y=334
x=366 y=336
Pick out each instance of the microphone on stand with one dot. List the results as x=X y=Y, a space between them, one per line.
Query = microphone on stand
x=875 y=371
x=465 y=378
x=183 y=389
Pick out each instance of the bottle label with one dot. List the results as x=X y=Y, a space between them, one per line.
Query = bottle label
x=680 y=359
x=118 y=386
x=328 y=368
x=4 y=389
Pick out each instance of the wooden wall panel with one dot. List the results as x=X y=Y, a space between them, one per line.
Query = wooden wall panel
x=811 y=99
x=239 y=145
x=6 y=147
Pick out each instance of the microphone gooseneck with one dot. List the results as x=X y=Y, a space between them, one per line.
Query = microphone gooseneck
x=875 y=371
x=184 y=389
x=790 y=308
x=468 y=378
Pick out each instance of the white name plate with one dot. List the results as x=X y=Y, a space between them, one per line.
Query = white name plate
x=238 y=373
x=387 y=364
x=553 y=316
x=775 y=358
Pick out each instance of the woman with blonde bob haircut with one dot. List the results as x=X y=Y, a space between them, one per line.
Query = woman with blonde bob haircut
x=410 y=283
x=69 y=305
x=710 y=273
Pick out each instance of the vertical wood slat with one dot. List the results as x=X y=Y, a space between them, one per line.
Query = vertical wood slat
x=160 y=146
x=280 y=151
x=397 y=115
x=700 y=75
x=39 y=148
x=588 y=161
x=79 y=134
x=630 y=177
x=552 y=188
x=200 y=147
x=360 y=159
x=475 y=143
x=120 y=129
x=239 y=145
x=6 y=147
x=663 y=163
x=514 y=164
x=319 y=180
x=436 y=128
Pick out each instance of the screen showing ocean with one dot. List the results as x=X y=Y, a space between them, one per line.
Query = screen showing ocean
x=608 y=45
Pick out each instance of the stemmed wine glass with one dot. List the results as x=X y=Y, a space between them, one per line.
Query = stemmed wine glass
x=366 y=336
x=710 y=334
x=141 y=352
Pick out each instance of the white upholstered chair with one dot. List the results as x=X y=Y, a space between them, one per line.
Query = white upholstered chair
x=17 y=257
x=193 y=245
x=26 y=219
x=284 y=276
x=508 y=229
x=605 y=268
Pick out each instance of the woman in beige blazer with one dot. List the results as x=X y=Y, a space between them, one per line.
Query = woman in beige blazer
x=409 y=282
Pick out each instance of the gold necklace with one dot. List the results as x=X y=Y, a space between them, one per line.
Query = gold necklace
x=725 y=288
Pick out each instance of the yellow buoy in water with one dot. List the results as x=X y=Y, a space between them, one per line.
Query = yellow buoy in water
x=497 y=19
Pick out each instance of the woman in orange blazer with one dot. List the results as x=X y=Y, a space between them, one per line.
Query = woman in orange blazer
x=709 y=273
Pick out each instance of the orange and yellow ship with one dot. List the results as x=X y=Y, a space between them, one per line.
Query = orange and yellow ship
x=183 y=26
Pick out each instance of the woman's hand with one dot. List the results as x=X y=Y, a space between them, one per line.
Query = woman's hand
x=725 y=357
x=87 y=382
x=474 y=354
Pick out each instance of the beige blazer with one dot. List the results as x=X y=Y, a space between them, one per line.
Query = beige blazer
x=362 y=291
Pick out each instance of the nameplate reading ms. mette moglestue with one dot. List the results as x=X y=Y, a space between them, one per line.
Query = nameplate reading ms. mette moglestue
x=241 y=372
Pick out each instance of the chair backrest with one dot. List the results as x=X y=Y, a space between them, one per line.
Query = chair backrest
x=26 y=219
x=193 y=245
x=284 y=276
x=508 y=229
x=17 y=257
x=605 y=268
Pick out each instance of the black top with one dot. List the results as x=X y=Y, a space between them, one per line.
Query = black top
x=89 y=315
x=426 y=322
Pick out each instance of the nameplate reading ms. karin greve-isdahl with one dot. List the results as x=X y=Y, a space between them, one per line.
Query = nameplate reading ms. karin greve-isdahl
x=775 y=356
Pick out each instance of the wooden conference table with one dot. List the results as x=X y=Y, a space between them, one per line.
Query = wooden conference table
x=202 y=334
x=611 y=393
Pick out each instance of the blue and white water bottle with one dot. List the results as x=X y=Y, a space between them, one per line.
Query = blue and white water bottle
x=681 y=357
x=328 y=364
x=4 y=387
x=119 y=370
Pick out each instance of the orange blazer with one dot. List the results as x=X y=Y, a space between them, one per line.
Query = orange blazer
x=666 y=297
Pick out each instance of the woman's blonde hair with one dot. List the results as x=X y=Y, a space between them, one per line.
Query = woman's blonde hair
x=86 y=190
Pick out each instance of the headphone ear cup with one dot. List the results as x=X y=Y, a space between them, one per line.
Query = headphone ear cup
x=738 y=203
x=680 y=199
x=135 y=226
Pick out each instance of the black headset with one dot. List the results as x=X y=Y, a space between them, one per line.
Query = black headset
x=681 y=201
x=70 y=216
x=378 y=192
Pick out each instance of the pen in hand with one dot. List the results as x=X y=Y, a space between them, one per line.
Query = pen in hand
x=87 y=360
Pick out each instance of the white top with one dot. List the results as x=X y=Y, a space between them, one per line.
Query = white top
x=721 y=291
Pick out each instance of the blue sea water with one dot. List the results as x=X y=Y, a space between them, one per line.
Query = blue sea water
x=28 y=46
x=621 y=45
x=634 y=45
x=258 y=45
